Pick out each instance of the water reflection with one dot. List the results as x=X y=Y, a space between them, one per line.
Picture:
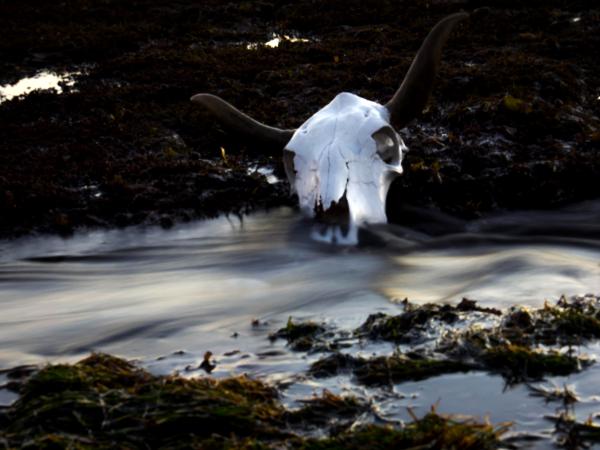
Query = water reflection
x=44 y=80
x=275 y=40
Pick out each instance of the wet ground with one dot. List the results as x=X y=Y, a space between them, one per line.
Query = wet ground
x=514 y=123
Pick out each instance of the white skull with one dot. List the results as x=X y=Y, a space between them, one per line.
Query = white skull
x=343 y=159
x=346 y=153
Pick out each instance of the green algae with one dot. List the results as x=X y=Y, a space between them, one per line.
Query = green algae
x=396 y=369
x=568 y=322
x=397 y=328
x=103 y=400
x=384 y=370
x=332 y=365
x=301 y=336
x=328 y=409
x=520 y=363
x=432 y=431
x=106 y=402
x=394 y=328
x=510 y=348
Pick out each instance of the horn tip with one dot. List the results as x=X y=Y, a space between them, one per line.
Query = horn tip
x=197 y=98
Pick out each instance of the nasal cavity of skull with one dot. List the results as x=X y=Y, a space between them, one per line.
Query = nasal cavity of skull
x=338 y=214
x=387 y=145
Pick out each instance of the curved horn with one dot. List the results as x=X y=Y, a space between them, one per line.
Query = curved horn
x=239 y=122
x=412 y=95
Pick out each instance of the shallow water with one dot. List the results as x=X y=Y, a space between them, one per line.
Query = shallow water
x=146 y=293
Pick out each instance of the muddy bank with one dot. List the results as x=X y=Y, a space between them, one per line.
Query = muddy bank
x=514 y=123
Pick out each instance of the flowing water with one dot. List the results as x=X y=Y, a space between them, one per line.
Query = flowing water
x=165 y=297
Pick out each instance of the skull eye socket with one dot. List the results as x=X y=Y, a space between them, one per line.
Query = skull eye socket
x=288 y=165
x=387 y=145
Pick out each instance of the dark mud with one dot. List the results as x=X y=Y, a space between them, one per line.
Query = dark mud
x=514 y=123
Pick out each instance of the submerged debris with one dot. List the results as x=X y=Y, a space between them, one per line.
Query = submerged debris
x=574 y=434
x=328 y=410
x=566 y=395
x=206 y=365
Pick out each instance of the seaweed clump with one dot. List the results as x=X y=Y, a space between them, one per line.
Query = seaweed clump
x=574 y=434
x=106 y=402
x=103 y=401
x=518 y=363
x=569 y=322
x=328 y=409
x=301 y=336
x=383 y=370
x=432 y=431
x=404 y=327
x=446 y=339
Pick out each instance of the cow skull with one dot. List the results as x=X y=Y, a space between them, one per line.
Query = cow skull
x=342 y=160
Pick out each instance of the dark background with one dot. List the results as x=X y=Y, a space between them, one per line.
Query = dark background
x=513 y=122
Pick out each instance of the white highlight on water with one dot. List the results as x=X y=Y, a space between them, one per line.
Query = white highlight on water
x=44 y=80
x=267 y=172
x=275 y=41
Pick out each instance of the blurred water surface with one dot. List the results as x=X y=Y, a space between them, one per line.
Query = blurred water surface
x=143 y=292
x=166 y=296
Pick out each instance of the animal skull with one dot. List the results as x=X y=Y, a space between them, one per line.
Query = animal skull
x=342 y=160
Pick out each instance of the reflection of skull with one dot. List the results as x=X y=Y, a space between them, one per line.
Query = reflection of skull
x=343 y=159
x=345 y=154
